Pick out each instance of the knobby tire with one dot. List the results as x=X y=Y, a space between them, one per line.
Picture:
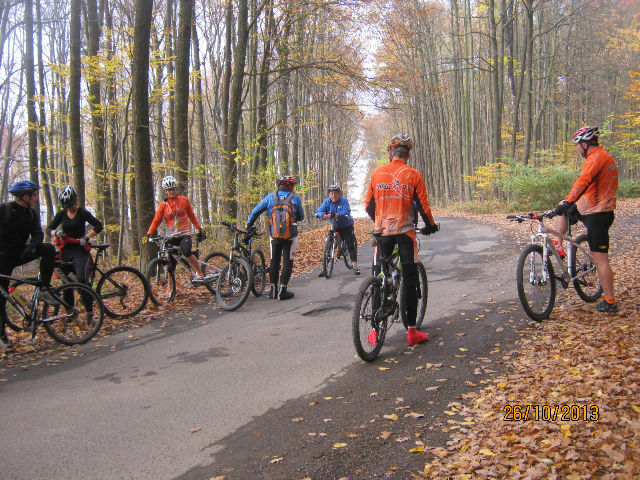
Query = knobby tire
x=537 y=299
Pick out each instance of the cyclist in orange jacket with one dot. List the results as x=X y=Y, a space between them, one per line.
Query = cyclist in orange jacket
x=594 y=196
x=390 y=203
x=177 y=212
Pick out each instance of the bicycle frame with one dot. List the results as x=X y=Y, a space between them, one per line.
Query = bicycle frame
x=541 y=237
x=30 y=317
x=173 y=251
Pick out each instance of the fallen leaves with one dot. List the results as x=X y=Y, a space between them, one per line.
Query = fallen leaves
x=577 y=361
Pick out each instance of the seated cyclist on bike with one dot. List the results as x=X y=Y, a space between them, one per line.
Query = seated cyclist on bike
x=594 y=195
x=392 y=190
x=72 y=239
x=336 y=209
x=21 y=241
x=177 y=212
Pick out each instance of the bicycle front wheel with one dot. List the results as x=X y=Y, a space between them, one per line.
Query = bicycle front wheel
x=422 y=288
x=536 y=294
x=78 y=321
x=234 y=284
x=124 y=292
x=588 y=284
x=211 y=268
x=368 y=327
x=328 y=257
x=259 y=272
x=162 y=281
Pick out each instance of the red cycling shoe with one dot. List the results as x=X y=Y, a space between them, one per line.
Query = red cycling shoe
x=415 y=336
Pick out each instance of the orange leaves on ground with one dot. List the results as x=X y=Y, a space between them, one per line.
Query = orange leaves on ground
x=576 y=376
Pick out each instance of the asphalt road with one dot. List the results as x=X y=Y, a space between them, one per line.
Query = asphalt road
x=172 y=398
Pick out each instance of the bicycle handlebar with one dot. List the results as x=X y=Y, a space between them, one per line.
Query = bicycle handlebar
x=521 y=217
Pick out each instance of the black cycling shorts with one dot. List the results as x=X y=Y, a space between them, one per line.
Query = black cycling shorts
x=598 y=230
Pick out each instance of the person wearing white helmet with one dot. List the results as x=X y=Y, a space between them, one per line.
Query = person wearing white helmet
x=72 y=239
x=177 y=212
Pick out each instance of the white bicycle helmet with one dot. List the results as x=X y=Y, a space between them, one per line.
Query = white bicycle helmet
x=68 y=196
x=169 y=182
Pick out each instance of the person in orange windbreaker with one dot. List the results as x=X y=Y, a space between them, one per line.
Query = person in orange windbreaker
x=176 y=210
x=393 y=189
x=594 y=196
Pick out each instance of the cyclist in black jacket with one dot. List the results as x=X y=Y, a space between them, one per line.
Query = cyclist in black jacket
x=21 y=241
x=73 y=239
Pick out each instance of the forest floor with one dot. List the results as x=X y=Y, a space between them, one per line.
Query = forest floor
x=578 y=373
x=578 y=360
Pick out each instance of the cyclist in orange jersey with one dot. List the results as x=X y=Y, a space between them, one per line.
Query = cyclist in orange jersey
x=176 y=210
x=594 y=196
x=393 y=189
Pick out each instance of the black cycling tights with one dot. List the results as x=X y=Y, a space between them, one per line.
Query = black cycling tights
x=409 y=270
x=280 y=248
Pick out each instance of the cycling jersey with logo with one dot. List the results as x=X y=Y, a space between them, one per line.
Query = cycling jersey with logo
x=176 y=213
x=392 y=190
x=595 y=189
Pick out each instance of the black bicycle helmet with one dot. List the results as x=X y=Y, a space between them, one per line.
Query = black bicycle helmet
x=68 y=196
x=335 y=188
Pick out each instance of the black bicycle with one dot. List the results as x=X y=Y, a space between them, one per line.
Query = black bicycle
x=243 y=267
x=161 y=271
x=72 y=315
x=124 y=290
x=254 y=256
x=334 y=248
x=381 y=301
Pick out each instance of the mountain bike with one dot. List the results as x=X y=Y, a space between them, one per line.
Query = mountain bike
x=236 y=278
x=381 y=302
x=254 y=256
x=334 y=248
x=535 y=277
x=124 y=290
x=161 y=271
x=74 y=316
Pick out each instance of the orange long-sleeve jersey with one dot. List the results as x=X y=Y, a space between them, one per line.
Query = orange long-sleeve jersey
x=392 y=190
x=595 y=189
x=176 y=213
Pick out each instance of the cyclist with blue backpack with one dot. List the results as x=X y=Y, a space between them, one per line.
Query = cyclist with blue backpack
x=336 y=209
x=284 y=209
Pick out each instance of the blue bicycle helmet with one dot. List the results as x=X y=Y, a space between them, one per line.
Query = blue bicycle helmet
x=23 y=187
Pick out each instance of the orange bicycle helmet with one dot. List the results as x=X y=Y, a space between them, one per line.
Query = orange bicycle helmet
x=401 y=140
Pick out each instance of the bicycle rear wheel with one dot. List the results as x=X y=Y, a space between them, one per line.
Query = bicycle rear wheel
x=259 y=272
x=368 y=328
x=211 y=268
x=22 y=292
x=80 y=321
x=328 y=258
x=124 y=292
x=234 y=284
x=422 y=288
x=588 y=285
x=162 y=281
x=537 y=296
